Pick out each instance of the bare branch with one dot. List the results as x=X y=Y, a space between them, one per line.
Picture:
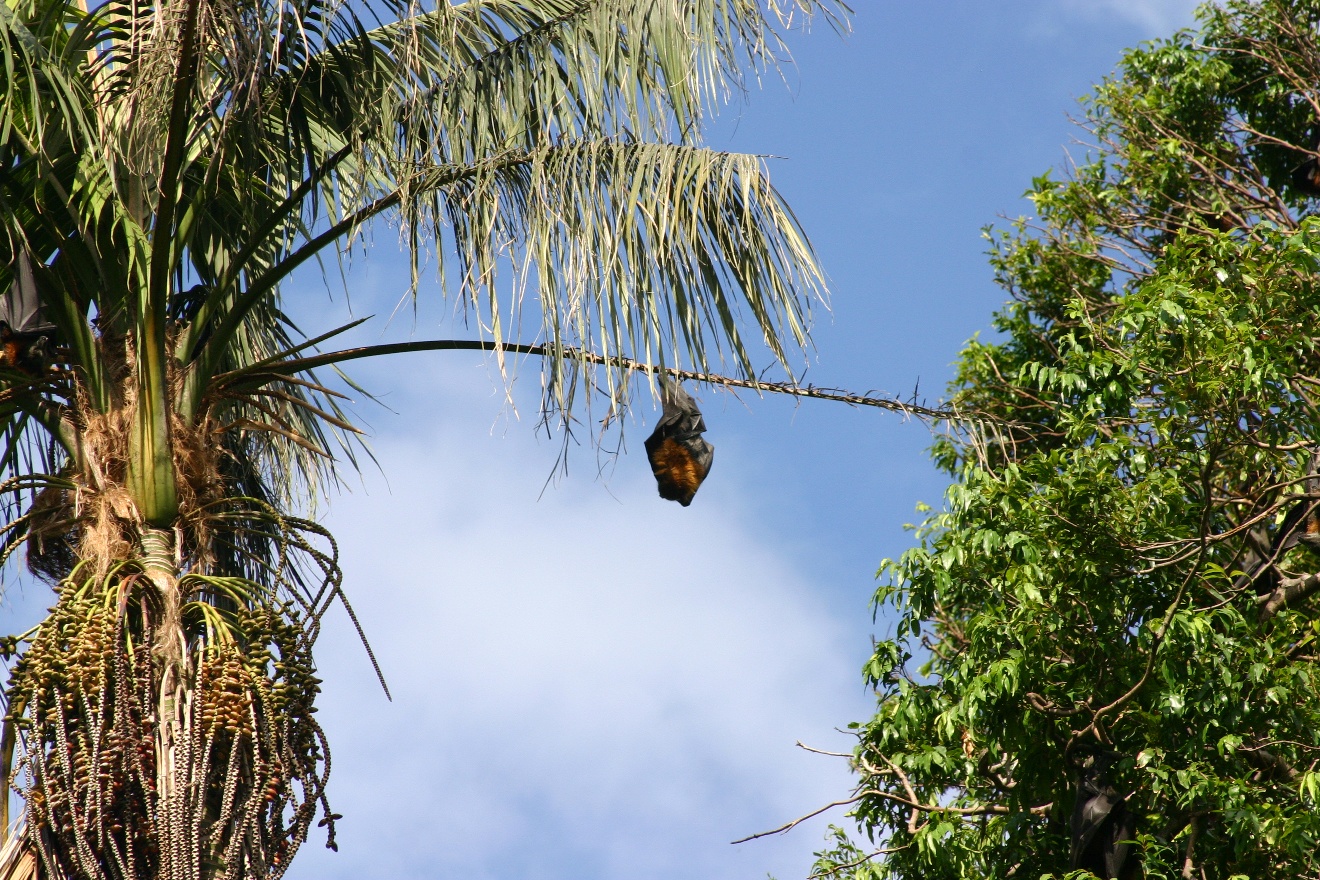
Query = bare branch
x=978 y=810
x=800 y=819
x=808 y=748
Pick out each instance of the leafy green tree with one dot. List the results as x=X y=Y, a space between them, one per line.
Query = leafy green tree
x=1121 y=586
x=164 y=168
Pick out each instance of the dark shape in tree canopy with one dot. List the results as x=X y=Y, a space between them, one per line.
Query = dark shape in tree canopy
x=1102 y=826
x=24 y=333
x=1124 y=562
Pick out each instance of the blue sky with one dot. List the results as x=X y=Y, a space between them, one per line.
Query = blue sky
x=594 y=683
x=590 y=682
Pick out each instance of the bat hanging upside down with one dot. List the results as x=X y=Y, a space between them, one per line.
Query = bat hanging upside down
x=1103 y=827
x=25 y=335
x=680 y=457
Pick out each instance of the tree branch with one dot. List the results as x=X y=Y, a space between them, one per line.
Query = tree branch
x=1048 y=707
x=1289 y=590
x=815 y=751
x=800 y=819
x=1189 y=866
x=978 y=810
x=912 y=826
x=1265 y=760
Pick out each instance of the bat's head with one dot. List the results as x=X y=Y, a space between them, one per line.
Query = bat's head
x=39 y=353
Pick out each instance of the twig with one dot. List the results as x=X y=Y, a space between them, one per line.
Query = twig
x=808 y=748
x=800 y=819
x=862 y=861
x=1156 y=641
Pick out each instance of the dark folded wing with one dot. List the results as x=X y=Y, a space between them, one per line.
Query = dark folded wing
x=1088 y=819
x=20 y=306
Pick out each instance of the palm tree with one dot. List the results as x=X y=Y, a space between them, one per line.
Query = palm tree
x=164 y=168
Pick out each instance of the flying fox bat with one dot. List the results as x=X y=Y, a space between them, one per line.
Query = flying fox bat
x=24 y=332
x=1102 y=826
x=1264 y=547
x=680 y=457
x=1306 y=177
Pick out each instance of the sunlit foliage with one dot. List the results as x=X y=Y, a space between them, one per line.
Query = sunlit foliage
x=1127 y=561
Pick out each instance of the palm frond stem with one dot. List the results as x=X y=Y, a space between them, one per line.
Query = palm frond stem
x=255 y=377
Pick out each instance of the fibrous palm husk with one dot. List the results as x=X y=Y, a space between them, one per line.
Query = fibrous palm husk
x=18 y=860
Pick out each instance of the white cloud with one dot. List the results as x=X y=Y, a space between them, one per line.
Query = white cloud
x=598 y=684
x=1155 y=18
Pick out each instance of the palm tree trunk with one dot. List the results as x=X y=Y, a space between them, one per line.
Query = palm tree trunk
x=160 y=565
x=150 y=462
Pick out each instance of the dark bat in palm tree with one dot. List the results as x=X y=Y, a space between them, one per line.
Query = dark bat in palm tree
x=24 y=332
x=680 y=457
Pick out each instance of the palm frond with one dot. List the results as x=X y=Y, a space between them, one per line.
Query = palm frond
x=656 y=252
x=548 y=150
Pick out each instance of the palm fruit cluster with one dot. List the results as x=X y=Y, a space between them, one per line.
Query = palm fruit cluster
x=85 y=763
x=83 y=698
x=223 y=692
x=218 y=778
x=290 y=744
